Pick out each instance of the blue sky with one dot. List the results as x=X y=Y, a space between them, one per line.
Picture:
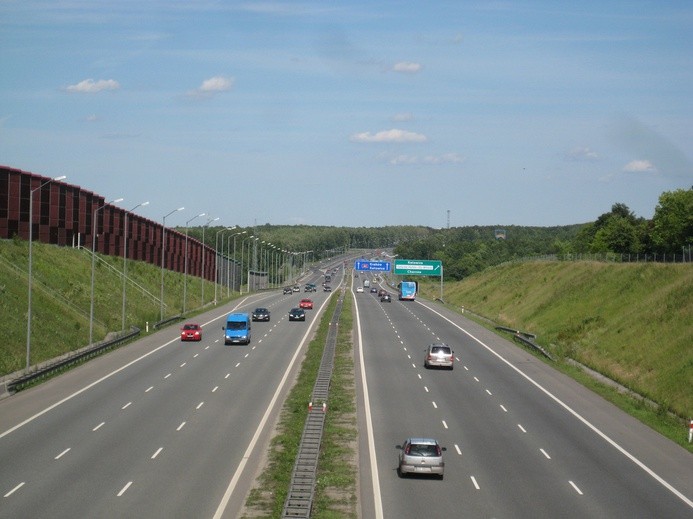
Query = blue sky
x=353 y=113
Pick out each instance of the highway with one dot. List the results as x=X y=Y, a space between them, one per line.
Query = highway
x=161 y=428
x=522 y=439
x=158 y=428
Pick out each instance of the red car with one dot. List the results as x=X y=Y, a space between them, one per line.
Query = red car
x=191 y=332
x=306 y=304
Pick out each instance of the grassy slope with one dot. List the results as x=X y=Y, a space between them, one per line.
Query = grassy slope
x=631 y=322
x=56 y=327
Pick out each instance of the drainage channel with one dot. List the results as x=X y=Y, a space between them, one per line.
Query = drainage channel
x=299 y=500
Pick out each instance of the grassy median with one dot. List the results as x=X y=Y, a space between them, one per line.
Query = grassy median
x=335 y=495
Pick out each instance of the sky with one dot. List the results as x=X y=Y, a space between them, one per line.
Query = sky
x=353 y=113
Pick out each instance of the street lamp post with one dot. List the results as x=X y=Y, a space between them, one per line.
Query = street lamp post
x=216 y=261
x=240 y=285
x=93 y=263
x=163 y=259
x=185 y=276
x=204 y=246
x=31 y=241
x=125 y=256
x=254 y=242
x=235 y=266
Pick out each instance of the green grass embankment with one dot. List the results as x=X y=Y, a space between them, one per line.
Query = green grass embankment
x=630 y=322
x=61 y=299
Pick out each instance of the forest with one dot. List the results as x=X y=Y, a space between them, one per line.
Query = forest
x=618 y=235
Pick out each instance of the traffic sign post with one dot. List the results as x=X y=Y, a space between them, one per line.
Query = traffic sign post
x=380 y=266
x=407 y=267
x=419 y=267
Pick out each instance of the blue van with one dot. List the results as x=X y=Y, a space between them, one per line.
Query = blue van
x=237 y=329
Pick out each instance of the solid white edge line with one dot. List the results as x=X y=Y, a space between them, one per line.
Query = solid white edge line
x=575 y=487
x=377 y=498
x=251 y=446
x=106 y=377
x=577 y=415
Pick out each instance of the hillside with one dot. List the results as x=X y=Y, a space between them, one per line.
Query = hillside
x=61 y=300
x=630 y=322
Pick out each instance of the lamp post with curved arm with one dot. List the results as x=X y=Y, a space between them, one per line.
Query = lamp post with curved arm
x=204 y=246
x=125 y=256
x=31 y=241
x=93 y=263
x=216 y=261
x=163 y=259
x=235 y=265
x=185 y=275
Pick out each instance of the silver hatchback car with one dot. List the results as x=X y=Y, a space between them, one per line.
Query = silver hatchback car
x=439 y=355
x=421 y=456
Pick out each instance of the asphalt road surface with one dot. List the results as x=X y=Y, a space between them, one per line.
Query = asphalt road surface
x=522 y=439
x=159 y=428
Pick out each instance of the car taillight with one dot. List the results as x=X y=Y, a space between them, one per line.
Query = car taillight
x=407 y=449
x=438 y=451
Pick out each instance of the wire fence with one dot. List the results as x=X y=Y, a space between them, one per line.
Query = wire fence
x=611 y=257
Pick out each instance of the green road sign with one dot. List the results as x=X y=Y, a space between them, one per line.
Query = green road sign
x=418 y=267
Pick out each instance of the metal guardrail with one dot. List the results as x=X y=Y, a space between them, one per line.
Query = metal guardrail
x=299 y=500
x=526 y=339
x=67 y=360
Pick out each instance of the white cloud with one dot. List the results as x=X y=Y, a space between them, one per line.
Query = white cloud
x=90 y=86
x=216 y=84
x=639 y=166
x=393 y=135
x=212 y=86
x=582 y=154
x=407 y=67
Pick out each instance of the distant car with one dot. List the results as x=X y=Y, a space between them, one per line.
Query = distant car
x=310 y=287
x=382 y=292
x=261 y=314
x=296 y=288
x=439 y=355
x=374 y=290
x=327 y=288
x=359 y=290
x=421 y=456
x=385 y=298
x=191 y=332
x=297 y=314
x=288 y=290
x=306 y=304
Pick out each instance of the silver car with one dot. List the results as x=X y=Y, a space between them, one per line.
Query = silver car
x=439 y=355
x=421 y=456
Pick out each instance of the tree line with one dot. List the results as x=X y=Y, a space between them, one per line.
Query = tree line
x=470 y=249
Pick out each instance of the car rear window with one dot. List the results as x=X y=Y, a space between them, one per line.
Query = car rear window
x=423 y=450
x=441 y=349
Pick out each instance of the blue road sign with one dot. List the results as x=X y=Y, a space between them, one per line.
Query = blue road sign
x=381 y=266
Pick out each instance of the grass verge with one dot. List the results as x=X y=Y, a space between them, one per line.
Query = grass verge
x=336 y=485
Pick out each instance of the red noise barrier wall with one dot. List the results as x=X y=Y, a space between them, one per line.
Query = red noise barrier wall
x=63 y=215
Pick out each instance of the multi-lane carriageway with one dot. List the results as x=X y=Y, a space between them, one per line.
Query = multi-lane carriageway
x=161 y=428
x=522 y=439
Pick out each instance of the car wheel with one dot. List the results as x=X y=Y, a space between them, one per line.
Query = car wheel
x=400 y=473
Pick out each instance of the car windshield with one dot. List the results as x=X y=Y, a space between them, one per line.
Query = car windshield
x=190 y=327
x=236 y=325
